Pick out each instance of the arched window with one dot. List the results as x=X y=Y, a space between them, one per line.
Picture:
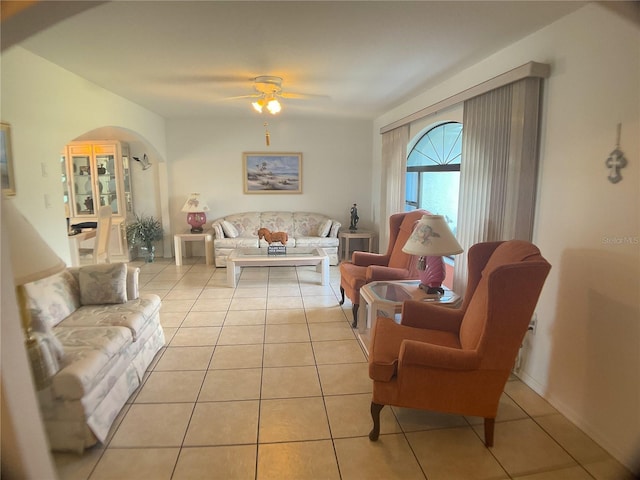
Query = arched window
x=433 y=172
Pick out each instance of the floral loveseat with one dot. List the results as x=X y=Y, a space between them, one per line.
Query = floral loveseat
x=305 y=229
x=95 y=336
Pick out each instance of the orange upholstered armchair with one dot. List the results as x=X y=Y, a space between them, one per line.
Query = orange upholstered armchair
x=366 y=267
x=458 y=361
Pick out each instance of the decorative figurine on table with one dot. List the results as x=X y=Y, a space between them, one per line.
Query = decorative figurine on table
x=273 y=237
x=354 y=218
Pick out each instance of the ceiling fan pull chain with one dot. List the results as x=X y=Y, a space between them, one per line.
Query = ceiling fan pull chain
x=267 y=136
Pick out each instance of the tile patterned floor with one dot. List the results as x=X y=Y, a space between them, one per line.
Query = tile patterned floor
x=268 y=381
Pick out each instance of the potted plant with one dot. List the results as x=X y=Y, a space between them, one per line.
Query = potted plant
x=144 y=232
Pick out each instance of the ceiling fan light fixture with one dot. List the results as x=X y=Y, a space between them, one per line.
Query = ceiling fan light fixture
x=273 y=105
x=268 y=89
x=259 y=104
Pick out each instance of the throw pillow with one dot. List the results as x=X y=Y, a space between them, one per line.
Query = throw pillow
x=102 y=284
x=52 y=299
x=217 y=228
x=333 y=233
x=324 y=228
x=229 y=230
x=133 y=273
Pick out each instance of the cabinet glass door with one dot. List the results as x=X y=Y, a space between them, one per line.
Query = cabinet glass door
x=82 y=184
x=126 y=175
x=65 y=186
x=107 y=180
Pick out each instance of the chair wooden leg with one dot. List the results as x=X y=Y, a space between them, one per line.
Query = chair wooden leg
x=354 y=309
x=341 y=295
x=375 y=416
x=489 y=424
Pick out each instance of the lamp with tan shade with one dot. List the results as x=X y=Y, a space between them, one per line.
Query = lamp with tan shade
x=430 y=240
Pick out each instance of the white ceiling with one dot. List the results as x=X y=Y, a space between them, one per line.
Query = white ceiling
x=184 y=58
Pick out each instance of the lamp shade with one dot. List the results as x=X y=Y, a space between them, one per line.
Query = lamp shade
x=273 y=105
x=432 y=237
x=31 y=258
x=259 y=104
x=195 y=209
x=194 y=204
x=270 y=101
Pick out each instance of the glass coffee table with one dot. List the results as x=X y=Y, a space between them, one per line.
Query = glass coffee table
x=295 y=256
x=384 y=299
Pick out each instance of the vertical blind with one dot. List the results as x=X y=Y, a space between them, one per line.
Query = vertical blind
x=394 y=167
x=498 y=175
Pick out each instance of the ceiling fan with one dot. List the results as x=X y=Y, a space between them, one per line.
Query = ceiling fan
x=268 y=91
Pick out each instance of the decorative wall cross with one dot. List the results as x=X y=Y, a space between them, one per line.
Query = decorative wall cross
x=616 y=161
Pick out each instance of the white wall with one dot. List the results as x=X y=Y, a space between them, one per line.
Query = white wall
x=206 y=157
x=585 y=355
x=47 y=107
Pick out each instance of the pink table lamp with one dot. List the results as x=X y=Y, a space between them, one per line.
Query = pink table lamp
x=430 y=240
x=195 y=209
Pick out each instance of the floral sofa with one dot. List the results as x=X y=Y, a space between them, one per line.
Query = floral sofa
x=305 y=229
x=93 y=338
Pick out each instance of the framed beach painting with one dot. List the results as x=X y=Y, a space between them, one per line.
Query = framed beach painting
x=6 y=160
x=272 y=172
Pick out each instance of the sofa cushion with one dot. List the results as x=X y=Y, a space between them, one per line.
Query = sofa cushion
x=239 y=242
x=229 y=230
x=324 y=242
x=103 y=284
x=51 y=300
x=308 y=224
x=246 y=223
x=277 y=221
x=133 y=315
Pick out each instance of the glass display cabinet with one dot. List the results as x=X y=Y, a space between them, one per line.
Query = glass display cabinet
x=95 y=174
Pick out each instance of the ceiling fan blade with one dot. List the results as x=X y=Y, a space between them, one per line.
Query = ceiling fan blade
x=301 y=96
x=207 y=78
x=239 y=97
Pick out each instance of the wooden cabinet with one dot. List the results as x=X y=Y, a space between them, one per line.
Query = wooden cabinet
x=96 y=174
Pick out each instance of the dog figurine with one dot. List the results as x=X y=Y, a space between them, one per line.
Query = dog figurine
x=271 y=237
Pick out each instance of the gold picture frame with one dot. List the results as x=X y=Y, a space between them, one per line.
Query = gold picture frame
x=6 y=160
x=272 y=172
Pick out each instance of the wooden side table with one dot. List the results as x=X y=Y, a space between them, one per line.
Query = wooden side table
x=346 y=235
x=178 y=238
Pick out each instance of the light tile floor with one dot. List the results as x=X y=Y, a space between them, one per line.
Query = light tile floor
x=268 y=381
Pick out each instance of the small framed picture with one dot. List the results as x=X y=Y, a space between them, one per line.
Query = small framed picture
x=6 y=160
x=272 y=172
